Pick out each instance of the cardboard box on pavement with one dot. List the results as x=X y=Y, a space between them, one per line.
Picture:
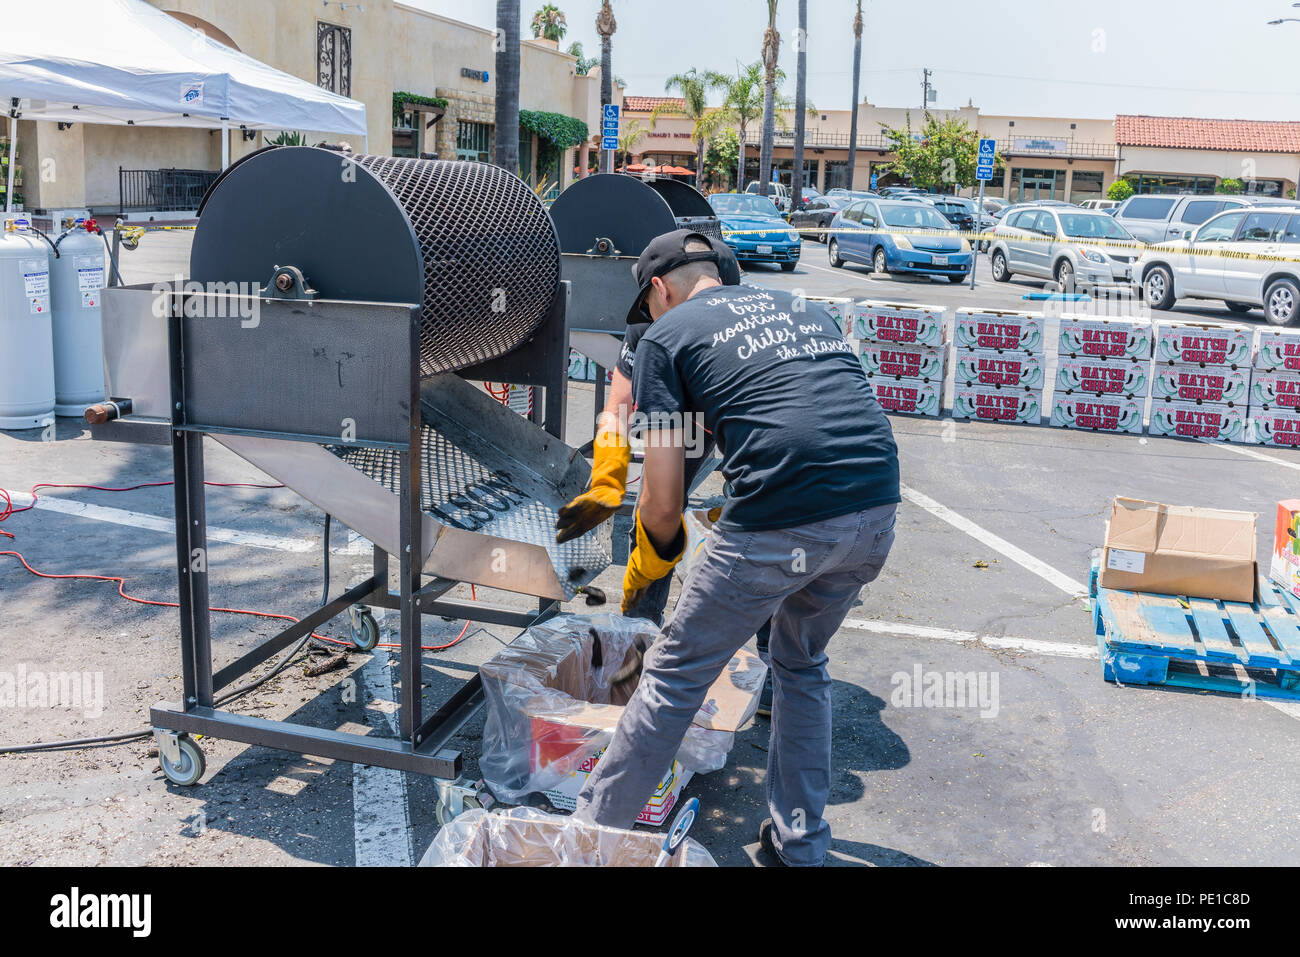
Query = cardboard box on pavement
x=1190 y=420
x=1284 y=565
x=910 y=362
x=1179 y=550
x=908 y=396
x=1274 y=390
x=1096 y=414
x=992 y=404
x=1279 y=428
x=841 y=309
x=1278 y=351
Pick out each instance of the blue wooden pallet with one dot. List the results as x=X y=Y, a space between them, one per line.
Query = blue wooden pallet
x=1233 y=647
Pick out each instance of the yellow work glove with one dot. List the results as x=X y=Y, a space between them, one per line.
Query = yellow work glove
x=604 y=494
x=645 y=565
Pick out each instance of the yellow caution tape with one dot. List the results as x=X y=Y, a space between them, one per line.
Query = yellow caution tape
x=972 y=237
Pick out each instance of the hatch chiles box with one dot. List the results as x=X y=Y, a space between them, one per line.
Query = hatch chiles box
x=1104 y=338
x=975 y=329
x=1093 y=413
x=1279 y=428
x=1188 y=420
x=992 y=404
x=910 y=362
x=1195 y=343
x=899 y=323
x=1102 y=377
x=1179 y=550
x=1011 y=368
x=1203 y=384
x=1275 y=390
x=1278 y=351
x=908 y=396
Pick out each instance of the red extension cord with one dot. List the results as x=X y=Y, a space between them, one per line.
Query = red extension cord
x=7 y=509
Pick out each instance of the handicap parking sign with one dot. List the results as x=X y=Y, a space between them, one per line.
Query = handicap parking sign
x=611 y=111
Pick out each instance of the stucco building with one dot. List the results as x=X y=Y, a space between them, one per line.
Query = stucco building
x=371 y=51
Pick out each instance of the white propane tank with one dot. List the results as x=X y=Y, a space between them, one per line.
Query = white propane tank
x=26 y=332
x=76 y=280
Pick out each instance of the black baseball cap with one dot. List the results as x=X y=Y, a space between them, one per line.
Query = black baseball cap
x=667 y=252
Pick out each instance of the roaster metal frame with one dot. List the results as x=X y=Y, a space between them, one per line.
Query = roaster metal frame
x=198 y=407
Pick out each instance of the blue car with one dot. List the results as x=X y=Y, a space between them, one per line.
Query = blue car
x=752 y=226
x=899 y=237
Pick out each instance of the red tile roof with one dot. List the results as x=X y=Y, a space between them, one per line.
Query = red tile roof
x=648 y=104
x=1249 y=136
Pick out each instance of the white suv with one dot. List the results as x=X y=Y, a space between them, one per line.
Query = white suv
x=1071 y=245
x=1240 y=256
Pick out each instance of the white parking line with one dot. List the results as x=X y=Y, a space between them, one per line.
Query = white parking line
x=381 y=819
x=153 y=523
x=1256 y=455
x=1056 y=649
x=1022 y=558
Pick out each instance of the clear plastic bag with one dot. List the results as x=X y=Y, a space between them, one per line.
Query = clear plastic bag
x=527 y=837
x=553 y=702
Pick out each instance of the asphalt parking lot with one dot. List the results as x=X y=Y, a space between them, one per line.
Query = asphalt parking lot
x=1054 y=767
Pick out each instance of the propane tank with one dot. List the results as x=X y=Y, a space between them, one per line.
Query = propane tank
x=26 y=331
x=76 y=280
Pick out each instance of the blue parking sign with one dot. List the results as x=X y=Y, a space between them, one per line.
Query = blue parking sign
x=611 y=112
x=609 y=142
x=875 y=178
x=984 y=160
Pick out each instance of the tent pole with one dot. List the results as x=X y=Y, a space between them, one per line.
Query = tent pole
x=13 y=161
x=225 y=143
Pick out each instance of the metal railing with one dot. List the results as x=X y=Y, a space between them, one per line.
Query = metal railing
x=815 y=139
x=1072 y=150
x=162 y=189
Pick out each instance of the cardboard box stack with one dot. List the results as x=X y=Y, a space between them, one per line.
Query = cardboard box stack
x=1103 y=374
x=841 y=309
x=1201 y=381
x=999 y=366
x=904 y=353
x=1274 y=413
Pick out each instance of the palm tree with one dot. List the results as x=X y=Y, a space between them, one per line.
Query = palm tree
x=742 y=105
x=771 y=49
x=507 y=99
x=694 y=88
x=632 y=134
x=549 y=23
x=800 y=106
x=605 y=27
x=857 y=69
x=585 y=63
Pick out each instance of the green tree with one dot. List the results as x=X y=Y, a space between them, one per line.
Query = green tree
x=742 y=105
x=1121 y=190
x=694 y=88
x=632 y=134
x=720 y=158
x=1230 y=187
x=549 y=23
x=584 y=64
x=941 y=158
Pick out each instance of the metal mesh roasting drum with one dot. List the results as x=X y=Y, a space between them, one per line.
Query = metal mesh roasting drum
x=469 y=242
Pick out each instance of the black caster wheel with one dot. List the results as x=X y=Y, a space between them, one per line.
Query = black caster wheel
x=365 y=631
x=446 y=815
x=188 y=768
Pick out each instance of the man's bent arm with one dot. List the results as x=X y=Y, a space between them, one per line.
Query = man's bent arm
x=662 y=481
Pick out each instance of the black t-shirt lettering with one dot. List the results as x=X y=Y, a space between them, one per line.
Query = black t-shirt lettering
x=801 y=435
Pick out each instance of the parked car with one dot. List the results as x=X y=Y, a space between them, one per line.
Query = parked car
x=806 y=196
x=815 y=218
x=957 y=210
x=761 y=235
x=893 y=192
x=899 y=237
x=779 y=193
x=1194 y=268
x=1070 y=246
x=1099 y=204
x=1157 y=217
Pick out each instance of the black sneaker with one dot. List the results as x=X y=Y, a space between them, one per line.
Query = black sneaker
x=765 y=699
x=767 y=847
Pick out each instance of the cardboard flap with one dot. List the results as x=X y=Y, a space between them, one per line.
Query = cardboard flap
x=1151 y=527
x=1134 y=525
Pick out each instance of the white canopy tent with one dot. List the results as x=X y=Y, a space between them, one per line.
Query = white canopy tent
x=124 y=62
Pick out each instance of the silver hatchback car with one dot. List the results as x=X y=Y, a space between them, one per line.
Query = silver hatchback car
x=1073 y=246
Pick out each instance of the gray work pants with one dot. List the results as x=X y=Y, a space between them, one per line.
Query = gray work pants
x=806 y=579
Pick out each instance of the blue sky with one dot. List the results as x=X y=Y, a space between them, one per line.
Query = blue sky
x=1025 y=57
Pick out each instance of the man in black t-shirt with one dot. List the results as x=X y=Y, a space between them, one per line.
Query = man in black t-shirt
x=813 y=471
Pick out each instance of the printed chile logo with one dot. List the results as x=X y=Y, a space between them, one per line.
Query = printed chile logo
x=896 y=328
x=994 y=370
x=1197 y=423
x=1286 y=393
x=997 y=407
x=897 y=362
x=1096 y=415
x=1207 y=349
x=1200 y=386
x=1104 y=342
x=1282 y=431
x=997 y=335
x=898 y=398
x=1106 y=380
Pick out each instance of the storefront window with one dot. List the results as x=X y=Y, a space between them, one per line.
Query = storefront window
x=1032 y=185
x=1163 y=183
x=474 y=141
x=406 y=135
x=1264 y=187
x=837 y=175
x=1085 y=185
